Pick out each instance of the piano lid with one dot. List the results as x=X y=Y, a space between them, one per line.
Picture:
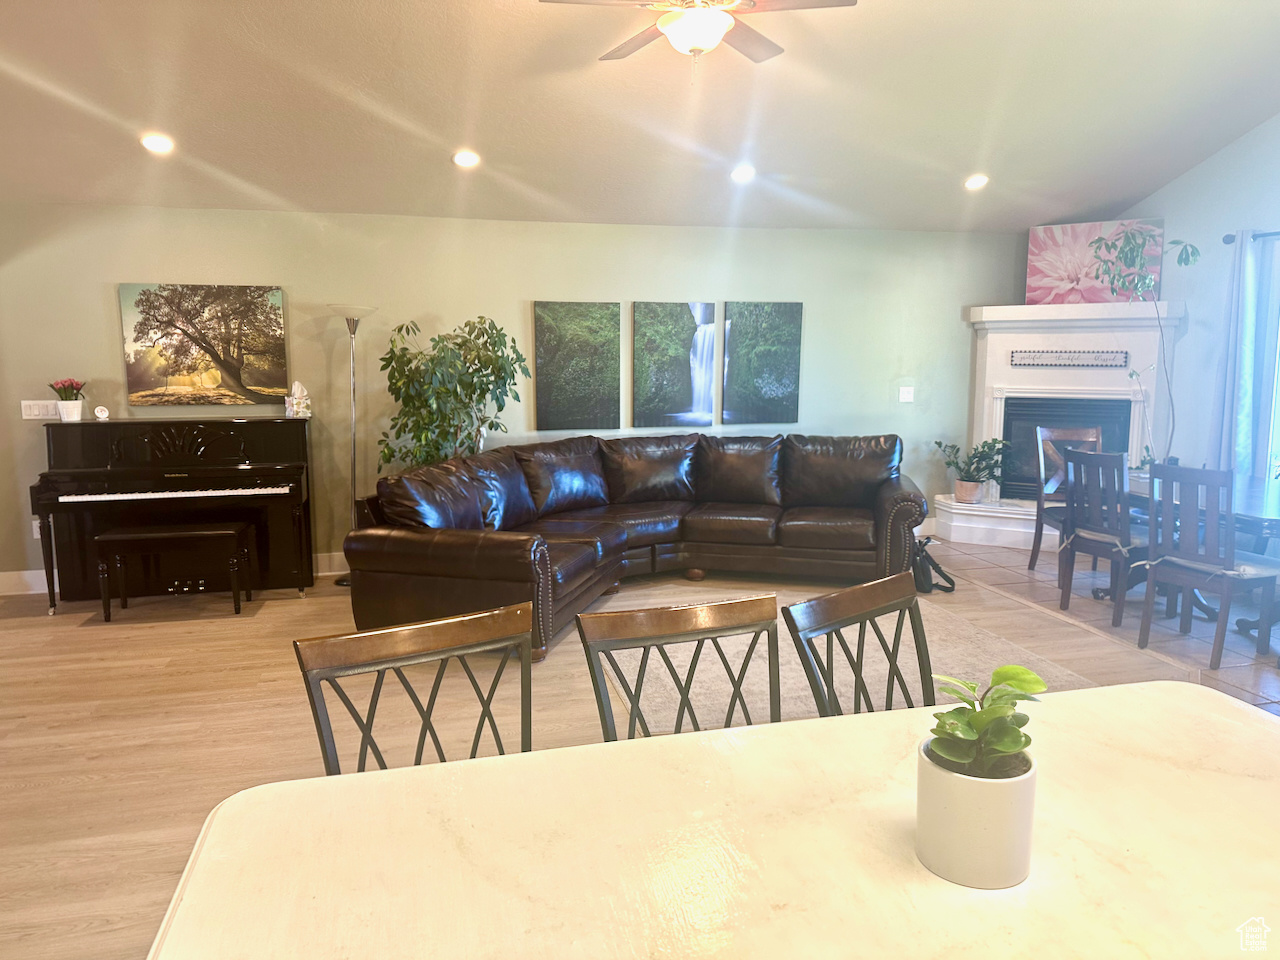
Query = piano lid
x=166 y=444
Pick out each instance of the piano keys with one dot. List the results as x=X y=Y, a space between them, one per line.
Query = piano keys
x=147 y=472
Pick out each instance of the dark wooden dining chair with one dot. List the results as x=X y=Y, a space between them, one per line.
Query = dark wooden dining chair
x=829 y=617
x=1193 y=547
x=1050 y=495
x=606 y=634
x=1097 y=522
x=503 y=633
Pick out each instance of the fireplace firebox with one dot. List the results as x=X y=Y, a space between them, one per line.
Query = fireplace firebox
x=1023 y=414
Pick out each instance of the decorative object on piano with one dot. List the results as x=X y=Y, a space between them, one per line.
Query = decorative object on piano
x=1060 y=260
x=101 y=412
x=451 y=394
x=298 y=403
x=980 y=465
x=70 y=398
x=976 y=785
x=577 y=351
x=203 y=343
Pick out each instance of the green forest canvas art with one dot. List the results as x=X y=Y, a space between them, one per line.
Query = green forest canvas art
x=577 y=349
x=673 y=364
x=762 y=362
x=190 y=343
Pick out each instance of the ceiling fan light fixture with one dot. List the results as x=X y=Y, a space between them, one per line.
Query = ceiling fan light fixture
x=695 y=30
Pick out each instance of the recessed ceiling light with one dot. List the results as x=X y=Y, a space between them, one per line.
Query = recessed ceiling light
x=977 y=181
x=466 y=158
x=157 y=143
x=743 y=173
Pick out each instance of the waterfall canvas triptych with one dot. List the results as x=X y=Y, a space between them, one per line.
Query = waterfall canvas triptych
x=577 y=364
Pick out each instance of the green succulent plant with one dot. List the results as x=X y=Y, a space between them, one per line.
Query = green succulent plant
x=984 y=462
x=984 y=736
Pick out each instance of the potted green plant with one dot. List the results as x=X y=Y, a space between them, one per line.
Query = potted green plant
x=450 y=395
x=70 y=398
x=975 y=468
x=976 y=784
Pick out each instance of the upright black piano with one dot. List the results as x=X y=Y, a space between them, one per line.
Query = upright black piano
x=116 y=473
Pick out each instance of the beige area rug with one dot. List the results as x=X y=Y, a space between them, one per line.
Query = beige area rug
x=957 y=648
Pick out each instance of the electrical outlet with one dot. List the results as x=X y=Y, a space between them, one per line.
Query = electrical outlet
x=906 y=394
x=35 y=529
x=39 y=409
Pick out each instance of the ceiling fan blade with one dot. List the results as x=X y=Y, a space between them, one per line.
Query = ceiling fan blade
x=628 y=47
x=770 y=6
x=751 y=43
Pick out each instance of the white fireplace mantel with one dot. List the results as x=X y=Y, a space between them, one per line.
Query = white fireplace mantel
x=1057 y=317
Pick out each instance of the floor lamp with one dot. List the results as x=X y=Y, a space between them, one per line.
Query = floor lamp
x=353 y=315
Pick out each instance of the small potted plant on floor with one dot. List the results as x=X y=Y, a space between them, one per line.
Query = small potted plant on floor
x=976 y=785
x=981 y=464
x=70 y=398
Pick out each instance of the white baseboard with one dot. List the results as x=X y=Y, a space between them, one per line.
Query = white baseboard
x=32 y=581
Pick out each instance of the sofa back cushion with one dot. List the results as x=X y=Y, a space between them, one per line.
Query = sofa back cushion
x=739 y=470
x=505 y=501
x=837 y=471
x=441 y=496
x=639 y=469
x=564 y=475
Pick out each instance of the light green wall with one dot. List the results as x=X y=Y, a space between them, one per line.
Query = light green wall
x=1238 y=188
x=881 y=309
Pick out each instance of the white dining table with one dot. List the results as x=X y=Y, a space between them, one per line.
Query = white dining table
x=1157 y=834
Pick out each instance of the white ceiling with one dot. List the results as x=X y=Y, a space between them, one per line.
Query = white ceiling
x=872 y=117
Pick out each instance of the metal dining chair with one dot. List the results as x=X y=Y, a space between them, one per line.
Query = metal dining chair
x=503 y=633
x=606 y=634
x=1098 y=523
x=1193 y=547
x=1050 y=497
x=829 y=617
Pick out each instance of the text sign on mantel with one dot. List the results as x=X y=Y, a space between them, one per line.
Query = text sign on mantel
x=1070 y=358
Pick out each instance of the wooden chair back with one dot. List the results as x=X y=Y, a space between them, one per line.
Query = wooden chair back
x=1097 y=491
x=1192 y=517
x=659 y=628
x=829 y=617
x=507 y=631
x=1050 y=444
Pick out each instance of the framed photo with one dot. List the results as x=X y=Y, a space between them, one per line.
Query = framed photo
x=203 y=344
x=1062 y=268
x=762 y=362
x=577 y=355
x=673 y=362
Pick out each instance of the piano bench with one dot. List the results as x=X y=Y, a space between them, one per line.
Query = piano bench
x=230 y=542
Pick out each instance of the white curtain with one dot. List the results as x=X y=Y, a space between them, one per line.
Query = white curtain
x=1245 y=433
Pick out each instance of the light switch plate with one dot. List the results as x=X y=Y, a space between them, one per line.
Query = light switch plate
x=906 y=394
x=39 y=409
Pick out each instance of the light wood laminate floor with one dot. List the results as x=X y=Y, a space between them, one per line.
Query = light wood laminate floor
x=116 y=740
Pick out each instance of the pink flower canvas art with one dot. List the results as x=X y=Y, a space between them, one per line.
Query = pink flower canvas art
x=1062 y=268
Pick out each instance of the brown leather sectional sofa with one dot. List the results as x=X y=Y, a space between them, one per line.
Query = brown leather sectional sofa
x=560 y=523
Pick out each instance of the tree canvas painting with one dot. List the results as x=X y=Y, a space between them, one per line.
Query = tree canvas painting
x=577 y=350
x=762 y=362
x=673 y=364
x=203 y=344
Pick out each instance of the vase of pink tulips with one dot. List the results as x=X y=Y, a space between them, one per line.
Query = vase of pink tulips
x=70 y=398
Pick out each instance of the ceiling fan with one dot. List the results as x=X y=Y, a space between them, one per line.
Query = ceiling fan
x=696 y=26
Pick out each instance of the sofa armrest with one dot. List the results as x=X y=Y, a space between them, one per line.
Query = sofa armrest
x=900 y=508
x=465 y=554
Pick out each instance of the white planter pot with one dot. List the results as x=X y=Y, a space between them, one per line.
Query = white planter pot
x=971 y=830
x=69 y=410
x=968 y=491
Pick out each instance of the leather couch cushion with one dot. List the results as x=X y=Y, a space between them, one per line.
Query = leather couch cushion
x=609 y=540
x=837 y=471
x=828 y=528
x=564 y=475
x=640 y=469
x=505 y=502
x=739 y=470
x=732 y=523
x=441 y=496
x=645 y=523
x=571 y=565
